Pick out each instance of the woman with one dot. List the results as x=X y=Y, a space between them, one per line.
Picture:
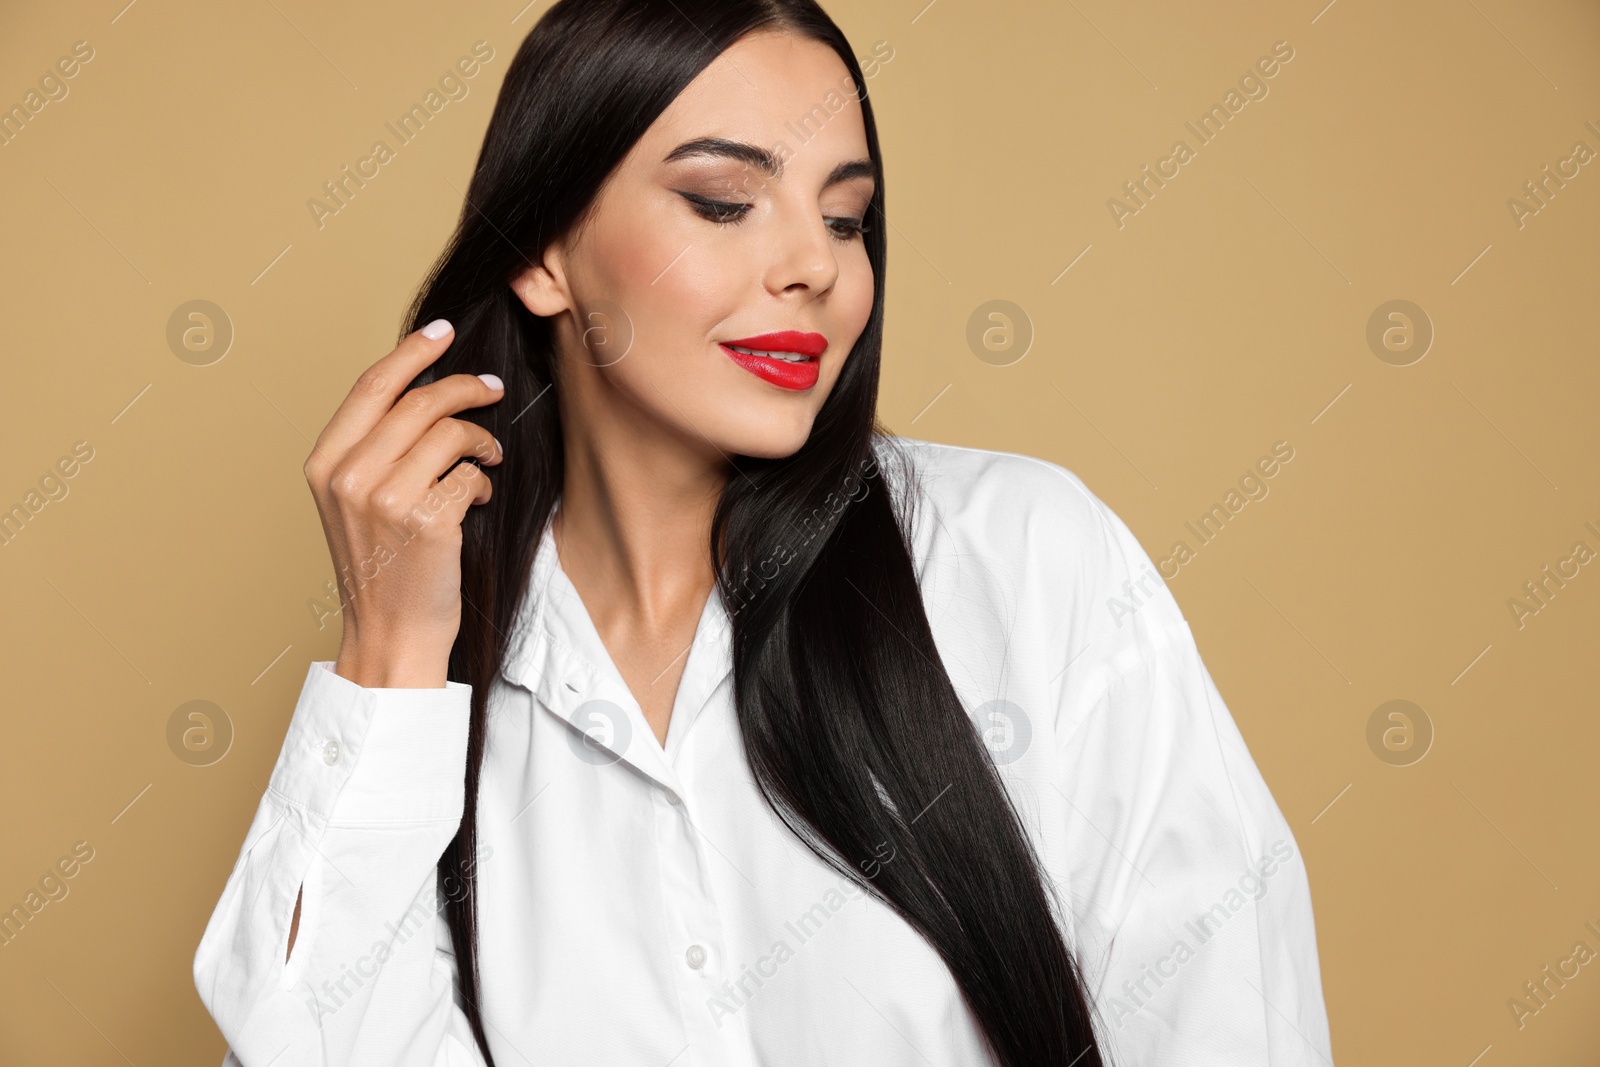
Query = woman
x=716 y=725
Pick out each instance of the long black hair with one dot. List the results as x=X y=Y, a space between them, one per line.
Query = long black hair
x=854 y=734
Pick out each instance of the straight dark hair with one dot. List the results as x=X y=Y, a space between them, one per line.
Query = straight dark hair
x=854 y=733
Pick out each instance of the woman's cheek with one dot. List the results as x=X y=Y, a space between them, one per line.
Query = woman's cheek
x=861 y=293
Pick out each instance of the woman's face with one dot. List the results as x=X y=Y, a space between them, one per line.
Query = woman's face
x=693 y=243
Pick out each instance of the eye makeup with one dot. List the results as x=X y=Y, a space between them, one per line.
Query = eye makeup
x=726 y=213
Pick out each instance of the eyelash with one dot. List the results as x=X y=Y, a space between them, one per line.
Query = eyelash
x=725 y=214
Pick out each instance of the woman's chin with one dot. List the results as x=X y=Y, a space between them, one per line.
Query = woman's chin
x=773 y=441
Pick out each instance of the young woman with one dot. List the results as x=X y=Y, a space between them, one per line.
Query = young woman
x=685 y=716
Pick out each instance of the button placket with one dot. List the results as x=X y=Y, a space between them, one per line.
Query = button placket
x=695 y=955
x=693 y=924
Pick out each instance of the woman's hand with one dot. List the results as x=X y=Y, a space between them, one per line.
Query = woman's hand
x=393 y=527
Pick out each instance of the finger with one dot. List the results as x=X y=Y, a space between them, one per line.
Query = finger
x=417 y=412
x=435 y=510
x=379 y=386
x=444 y=446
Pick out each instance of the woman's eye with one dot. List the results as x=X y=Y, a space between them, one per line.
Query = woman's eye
x=727 y=214
x=723 y=214
x=848 y=229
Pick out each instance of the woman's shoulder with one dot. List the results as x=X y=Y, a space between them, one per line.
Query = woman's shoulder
x=982 y=475
x=1067 y=561
x=1010 y=503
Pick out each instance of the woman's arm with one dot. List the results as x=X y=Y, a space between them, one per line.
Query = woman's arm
x=1194 y=889
x=1196 y=896
x=367 y=792
x=1187 y=889
x=369 y=787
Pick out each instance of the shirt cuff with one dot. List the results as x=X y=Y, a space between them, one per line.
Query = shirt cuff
x=355 y=755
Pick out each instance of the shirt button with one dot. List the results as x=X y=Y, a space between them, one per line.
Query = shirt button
x=696 y=957
x=330 y=753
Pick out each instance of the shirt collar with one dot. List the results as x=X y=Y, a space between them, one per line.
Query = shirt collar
x=557 y=654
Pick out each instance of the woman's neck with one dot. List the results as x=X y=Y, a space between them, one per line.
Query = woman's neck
x=632 y=528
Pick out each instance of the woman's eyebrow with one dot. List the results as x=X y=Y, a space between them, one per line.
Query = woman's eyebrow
x=764 y=160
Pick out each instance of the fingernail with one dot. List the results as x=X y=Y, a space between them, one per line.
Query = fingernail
x=492 y=381
x=436 y=329
x=498 y=445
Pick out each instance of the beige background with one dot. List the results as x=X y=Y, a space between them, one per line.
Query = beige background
x=1227 y=314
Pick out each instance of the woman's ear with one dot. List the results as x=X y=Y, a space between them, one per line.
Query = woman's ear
x=542 y=289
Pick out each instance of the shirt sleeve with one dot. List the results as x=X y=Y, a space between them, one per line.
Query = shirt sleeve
x=1195 y=883
x=1189 y=893
x=367 y=792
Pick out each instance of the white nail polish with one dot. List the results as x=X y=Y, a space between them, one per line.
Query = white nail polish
x=492 y=381
x=436 y=329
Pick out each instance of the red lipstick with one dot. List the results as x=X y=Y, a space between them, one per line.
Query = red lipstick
x=788 y=373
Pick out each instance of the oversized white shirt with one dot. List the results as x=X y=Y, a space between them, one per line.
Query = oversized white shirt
x=641 y=904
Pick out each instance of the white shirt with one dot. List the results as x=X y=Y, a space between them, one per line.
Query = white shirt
x=641 y=904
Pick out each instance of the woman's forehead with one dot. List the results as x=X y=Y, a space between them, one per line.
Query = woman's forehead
x=775 y=91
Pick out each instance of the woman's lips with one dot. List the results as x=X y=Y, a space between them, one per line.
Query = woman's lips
x=799 y=341
x=787 y=374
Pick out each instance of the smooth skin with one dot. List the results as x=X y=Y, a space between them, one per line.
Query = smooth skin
x=375 y=473
x=652 y=409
